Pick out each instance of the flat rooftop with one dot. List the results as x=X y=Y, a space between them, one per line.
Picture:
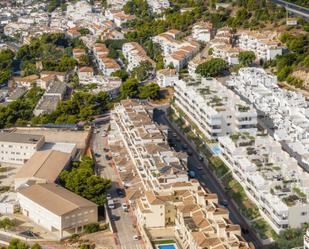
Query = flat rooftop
x=48 y=103
x=20 y=138
x=57 y=87
x=56 y=135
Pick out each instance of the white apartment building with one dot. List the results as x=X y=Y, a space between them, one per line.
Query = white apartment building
x=192 y=66
x=156 y=164
x=158 y=6
x=118 y=17
x=167 y=77
x=180 y=58
x=167 y=41
x=56 y=208
x=216 y=110
x=265 y=45
x=283 y=113
x=226 y=52
x=85 y=75
x=270 y=177
x=18 y=148
x=202 y=31
x=105 y=64
x=135 y=54
x=176 y=53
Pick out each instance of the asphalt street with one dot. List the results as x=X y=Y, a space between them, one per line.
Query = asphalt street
x=123 y=223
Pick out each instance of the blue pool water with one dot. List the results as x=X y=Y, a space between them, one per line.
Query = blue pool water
x=216 y=149
x=166 y=247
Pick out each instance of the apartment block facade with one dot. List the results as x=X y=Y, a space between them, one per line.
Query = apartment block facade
x=270 y=177
x=18 y=148
x=216 y=110
x=265 y=45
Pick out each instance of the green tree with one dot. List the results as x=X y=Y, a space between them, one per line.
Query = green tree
x=149 y=91
x=17 y=244
x=67 y=63
x=129 y=88
x=7 y=223
x=5 y=75
x=122 y=74
x=212 y=68
x=84 y=31
x=246 y=58
x=36 y=246
x=6 y=58
x=136 y=7
x=84 y=60
x=92 y=228
x=82 y=181
x=29 y=68
x=143 y=71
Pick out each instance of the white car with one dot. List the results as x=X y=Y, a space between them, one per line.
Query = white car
x=136 y=237
x=124 y=206
x=109 y=196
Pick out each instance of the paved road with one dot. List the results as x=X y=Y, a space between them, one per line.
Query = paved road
x=207 y=178
x=124 y=220
x=296 y=9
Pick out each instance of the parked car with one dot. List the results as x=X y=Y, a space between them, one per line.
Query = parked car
x=136 y=237
x=125 y=207
x=184 y=147
x=199 y=167
x=115 y=218
x=120 y=192
x=191 y=174
x=111 y=204
x=224 y=203
x=108 y=196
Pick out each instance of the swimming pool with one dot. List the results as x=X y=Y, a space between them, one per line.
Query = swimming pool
x=216 y=149
x=171 y=246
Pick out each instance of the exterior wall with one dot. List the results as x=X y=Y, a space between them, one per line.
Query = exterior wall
x=52 y=222
x=166 y=81
x=18 y=153
x=79 y=218
x=298 y=215
x=38 y=214
x=202 y=36
x=216 y=124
